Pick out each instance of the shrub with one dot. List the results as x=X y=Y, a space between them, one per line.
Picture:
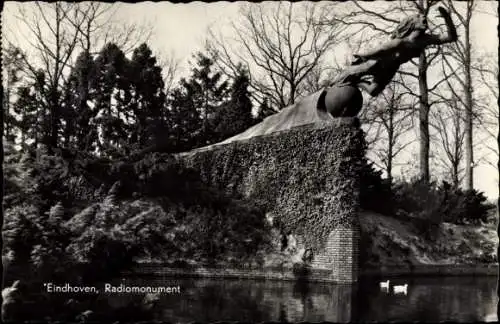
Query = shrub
x=42 y=179
x=492 y=215
x=427 y=205
x=150 y=175
x=461 y=206
x=210 y=224
x=421 y=203
x=20 y=185
x=188 y=220
x=100 y=241
x=232 y=228
x=21 y=231
x=376 y=194
x=37 y=241
x=420 y=199
x=159 y=175
x=367 y=257
x=430 y=203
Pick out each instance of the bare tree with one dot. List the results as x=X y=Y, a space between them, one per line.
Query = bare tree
x=280 y=44
x=490 y=117
x=53 y=44
x=451 y=133
x=391 y=115
x=316 y=80
x=460 y=54
x=96 y=24
x=170 y=67
x=498 y=134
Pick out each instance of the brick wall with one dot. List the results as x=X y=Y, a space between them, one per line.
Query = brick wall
x=340 y=255
x=315 y=274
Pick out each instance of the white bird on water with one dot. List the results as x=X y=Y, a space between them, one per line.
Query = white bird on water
x=384 y=285
x=402 y=289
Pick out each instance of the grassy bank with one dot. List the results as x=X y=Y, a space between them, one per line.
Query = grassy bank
x=387 y=241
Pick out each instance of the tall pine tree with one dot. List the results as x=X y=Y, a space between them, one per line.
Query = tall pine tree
x=11 y=80
x=27 y=108
x=195 y=103
x=235 y=116
x=112 y=96
x=184 y=121
x=33 y=121
x=79 y=116
x=147 y=102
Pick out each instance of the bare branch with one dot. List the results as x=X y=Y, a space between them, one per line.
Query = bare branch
x=284 y=43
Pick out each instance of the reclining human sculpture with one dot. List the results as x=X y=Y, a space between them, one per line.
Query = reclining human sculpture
x=372 y=71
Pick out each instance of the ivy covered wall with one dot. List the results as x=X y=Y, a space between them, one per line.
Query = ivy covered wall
x=306 y=177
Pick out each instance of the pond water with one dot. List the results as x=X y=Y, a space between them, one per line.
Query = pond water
x=462 y=299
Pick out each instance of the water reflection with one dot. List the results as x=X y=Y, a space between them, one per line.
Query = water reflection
x=428 y=299
x=431 y=299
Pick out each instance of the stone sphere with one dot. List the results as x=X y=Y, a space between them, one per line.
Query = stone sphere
x=341 y=101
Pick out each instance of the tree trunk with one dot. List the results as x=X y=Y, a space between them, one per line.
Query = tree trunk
x=54 y=119
x=455 y=160
x=391 y=145
x=455 y=179
x=498 y=163
x=469 y=153
x=424 y=118
x=82 y=142
x=6 y=112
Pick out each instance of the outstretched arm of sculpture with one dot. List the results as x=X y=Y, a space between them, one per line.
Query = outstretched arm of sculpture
x=415 y=39
x=451 y=35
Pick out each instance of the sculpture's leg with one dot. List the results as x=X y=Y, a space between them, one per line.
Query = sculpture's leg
x=373 y=87
x=354 y=72
x=381 y=80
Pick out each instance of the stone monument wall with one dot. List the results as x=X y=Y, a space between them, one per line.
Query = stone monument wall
x=307 y=178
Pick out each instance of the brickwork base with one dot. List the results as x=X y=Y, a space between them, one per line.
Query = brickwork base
x=340 y=255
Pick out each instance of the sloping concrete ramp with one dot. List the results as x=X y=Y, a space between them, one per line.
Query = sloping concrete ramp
x=303 y=112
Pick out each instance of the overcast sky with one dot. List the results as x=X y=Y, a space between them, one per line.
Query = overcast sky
x=181 y=29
